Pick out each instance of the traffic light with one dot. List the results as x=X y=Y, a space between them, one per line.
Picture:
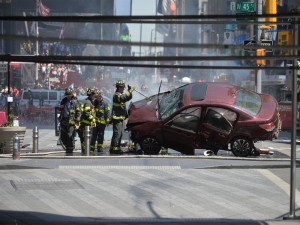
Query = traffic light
x=260 y=52
x=271 y=8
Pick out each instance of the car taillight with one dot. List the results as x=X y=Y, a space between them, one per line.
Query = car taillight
x=267 y=126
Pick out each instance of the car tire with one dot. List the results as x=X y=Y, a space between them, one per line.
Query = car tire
x=241 y=146
x=150 y=146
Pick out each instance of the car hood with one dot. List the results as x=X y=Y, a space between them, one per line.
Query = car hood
x=143 y=111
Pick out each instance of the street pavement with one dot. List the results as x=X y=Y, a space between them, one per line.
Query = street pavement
x=52 y=188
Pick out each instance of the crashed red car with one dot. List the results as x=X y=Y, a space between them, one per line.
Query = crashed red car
x=210 y=116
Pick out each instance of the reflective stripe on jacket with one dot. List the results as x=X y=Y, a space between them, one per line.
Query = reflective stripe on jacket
x=87 y=112
x=102 y=112
x=119 y=111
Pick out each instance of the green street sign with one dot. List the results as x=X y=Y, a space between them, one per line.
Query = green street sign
x=245 y=6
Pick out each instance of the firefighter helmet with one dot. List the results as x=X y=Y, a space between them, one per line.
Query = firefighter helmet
x=69 y=91
x=91 y=91
x=99 y=92
x=120 y=83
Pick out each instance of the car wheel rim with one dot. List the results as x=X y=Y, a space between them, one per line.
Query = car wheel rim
x=150 y=146
x=241 y=147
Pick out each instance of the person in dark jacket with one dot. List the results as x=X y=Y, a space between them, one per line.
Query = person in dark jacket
x=102 y=112
x=69 y=119
x=87 y=116
x=119 y=114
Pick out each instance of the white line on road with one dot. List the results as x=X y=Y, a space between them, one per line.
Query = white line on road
x=280 y=183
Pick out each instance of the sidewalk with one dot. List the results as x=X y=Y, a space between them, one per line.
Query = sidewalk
x=150 y=190
x=114 y=191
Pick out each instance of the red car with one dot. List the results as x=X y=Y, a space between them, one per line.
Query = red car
x=210 y=116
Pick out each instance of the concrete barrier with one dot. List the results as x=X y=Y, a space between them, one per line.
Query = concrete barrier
x=6 y=138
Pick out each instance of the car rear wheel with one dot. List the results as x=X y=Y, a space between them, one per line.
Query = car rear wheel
x=241 y=146
x=150 y=146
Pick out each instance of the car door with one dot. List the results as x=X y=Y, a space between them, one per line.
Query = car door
x=217 y=126
x=180 y=132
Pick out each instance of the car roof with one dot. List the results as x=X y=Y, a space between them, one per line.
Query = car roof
x=210 y=93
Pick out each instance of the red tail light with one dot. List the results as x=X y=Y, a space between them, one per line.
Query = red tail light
x=267 y=126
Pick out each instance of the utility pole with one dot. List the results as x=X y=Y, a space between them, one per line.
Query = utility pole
x=292 y=214
x=37 y=43
x=258 y=76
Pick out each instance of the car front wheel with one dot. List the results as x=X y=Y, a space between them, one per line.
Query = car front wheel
x=150 y=146
x=241 y=146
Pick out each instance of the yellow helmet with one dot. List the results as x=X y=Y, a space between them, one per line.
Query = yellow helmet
x=120 y=83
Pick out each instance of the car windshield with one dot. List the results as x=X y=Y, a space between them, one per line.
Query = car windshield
x=248 y=101
x=170 y=102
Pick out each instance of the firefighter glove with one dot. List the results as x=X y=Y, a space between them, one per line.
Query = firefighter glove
x=77 y=125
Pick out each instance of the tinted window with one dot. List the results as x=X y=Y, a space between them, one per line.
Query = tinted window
x=38 y=95
x=25 y=95
x=248 y=101
x=52 y=96
x=220 y=119
x=187 y=119
x=198 y=92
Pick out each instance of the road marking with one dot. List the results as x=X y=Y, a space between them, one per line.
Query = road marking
x=280 y=183
x=120 y=167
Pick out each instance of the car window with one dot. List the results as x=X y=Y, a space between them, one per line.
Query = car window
x=220 y=119
x=187 y=120
x=248 y=101
x=170 y=102
x=52 y=96
x=36 y=95
x=25 y=95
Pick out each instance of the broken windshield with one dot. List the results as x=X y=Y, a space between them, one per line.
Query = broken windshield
x=170 y=102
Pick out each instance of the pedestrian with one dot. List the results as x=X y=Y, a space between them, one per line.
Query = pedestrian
x=87 y=116
x=119 y=114
x=102 y=112
x=69 y=119
x=41 y=100
x=30 y=97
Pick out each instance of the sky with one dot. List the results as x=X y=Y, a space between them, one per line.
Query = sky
x=140 y=32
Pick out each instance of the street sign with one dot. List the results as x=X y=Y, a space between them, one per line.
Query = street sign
x=262 y=43
x=248 y=44
x=245 y=6
x=267 y=43
x=3 y=67
x=233 y=6
x=242 y=13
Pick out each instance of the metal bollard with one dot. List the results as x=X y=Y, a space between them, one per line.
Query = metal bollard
x=87 y=136
x=35 y=140
x=16 y=147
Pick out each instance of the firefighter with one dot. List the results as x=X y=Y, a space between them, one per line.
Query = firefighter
x=119 y=114
x=69 y=119
x=87 y=116
x=102 y=112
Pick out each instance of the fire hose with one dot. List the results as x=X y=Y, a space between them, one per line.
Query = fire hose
x=142 y=94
